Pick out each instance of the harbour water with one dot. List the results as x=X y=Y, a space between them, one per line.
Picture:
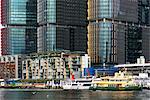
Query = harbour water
x=38 y=94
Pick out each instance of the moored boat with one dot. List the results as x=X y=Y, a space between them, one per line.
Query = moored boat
x=119 y=82
x=79 y=84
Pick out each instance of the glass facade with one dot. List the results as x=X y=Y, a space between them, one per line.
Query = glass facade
x=62 y=25
x=46 y=32
x=114 y=35
x=100 y=40
x=144 y=12
x=101 y=35
x=134 y=43
x=47 y=38
x=21 y=40
x=144 y=19
x=20 y=20
x=17 y=40
x=46 y=11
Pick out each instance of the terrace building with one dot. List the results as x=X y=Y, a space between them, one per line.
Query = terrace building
x=55 y=65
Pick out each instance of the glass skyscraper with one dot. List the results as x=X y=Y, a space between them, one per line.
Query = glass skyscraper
x=115 y=30
x=62 y=25
x=144 y=19
x=19 y=18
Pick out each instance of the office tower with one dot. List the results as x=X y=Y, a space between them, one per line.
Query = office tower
x=116 y=29
x=19 y=19
x=62 y=25
x=144 y=19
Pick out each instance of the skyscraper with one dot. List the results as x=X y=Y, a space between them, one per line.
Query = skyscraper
x=62 y=25
x=116 y=29
x=144 y=19
x=19 y=18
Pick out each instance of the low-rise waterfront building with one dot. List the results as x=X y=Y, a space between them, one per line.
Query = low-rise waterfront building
x=55 y=65
x=75 y=63
x=135 y=69
x=43 y=68
x=11 y=66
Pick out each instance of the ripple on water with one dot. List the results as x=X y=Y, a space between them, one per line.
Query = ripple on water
x=39 y=94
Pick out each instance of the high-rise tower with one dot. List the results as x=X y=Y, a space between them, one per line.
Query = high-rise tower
x=144 y=19
x=115 y=30
x=62 y=25
x=19 y=19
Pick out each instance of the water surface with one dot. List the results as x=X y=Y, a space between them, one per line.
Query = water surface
x=38 y=94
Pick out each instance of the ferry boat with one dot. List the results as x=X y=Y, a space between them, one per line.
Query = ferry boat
x=78 y=84
x=120 y=82
x=143 y=80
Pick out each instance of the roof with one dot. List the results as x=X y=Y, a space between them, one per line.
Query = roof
x=132 y=65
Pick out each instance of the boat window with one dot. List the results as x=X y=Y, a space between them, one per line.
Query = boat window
x=111 y=85
x=74 y=84
x=111 y=80
x=105 y=79
x=118 y=80
x=86 y=84
x=84 y=81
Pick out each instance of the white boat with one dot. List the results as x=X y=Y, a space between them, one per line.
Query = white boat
x=143 y=80
x=76 y=84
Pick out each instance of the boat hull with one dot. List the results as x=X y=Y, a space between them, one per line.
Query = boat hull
x=133 y=88
x=76 y=87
